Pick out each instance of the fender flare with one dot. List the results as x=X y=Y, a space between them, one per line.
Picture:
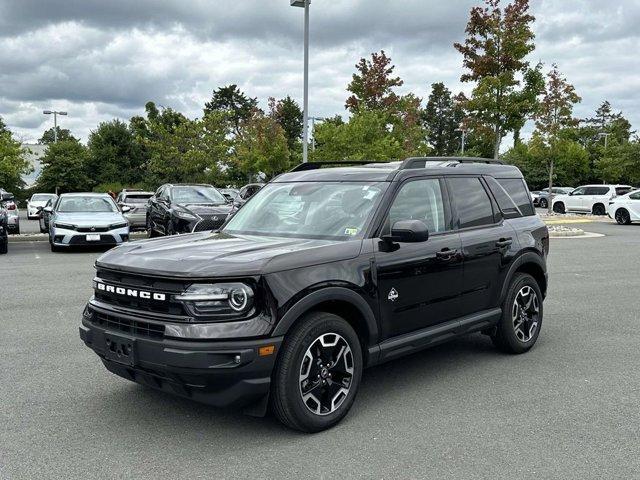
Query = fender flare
x=526 y=257
x=328 y=294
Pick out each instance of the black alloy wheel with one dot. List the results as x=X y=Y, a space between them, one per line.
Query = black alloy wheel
x=543 y=203
x=598 y=209
x=623 y=217
x=559 y=207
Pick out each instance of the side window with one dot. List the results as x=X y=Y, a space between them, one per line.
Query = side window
x=635 y=196
x=596 y=190
x=473 y=204
x=518 y=191
x=419 y=200
x=505 y=202
x=622 y=190
x=579 y=191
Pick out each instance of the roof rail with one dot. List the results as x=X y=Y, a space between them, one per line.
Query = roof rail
x=315 y=165
x=420 y=162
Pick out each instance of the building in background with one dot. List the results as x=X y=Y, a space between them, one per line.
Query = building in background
x=35 y=151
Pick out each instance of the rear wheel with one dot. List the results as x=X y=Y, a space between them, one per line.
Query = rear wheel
x=622 y=216
x=150 y=231
x=558 y=207
x=543 y=203
x=598 y=209
x=519 y=326
x=317 y=374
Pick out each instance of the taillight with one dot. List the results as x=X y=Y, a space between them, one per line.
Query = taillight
x=11 y=206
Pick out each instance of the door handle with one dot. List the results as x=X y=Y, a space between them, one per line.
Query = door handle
x=446 y=254
x=504 y=242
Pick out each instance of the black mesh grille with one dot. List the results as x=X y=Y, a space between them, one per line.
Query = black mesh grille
x=133 y=327
x=82 y=240
x=210 y=223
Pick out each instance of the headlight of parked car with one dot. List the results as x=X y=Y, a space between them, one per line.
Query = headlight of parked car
x=185 y=216
x=218 y=300
x=118 y=225
x=66 y=226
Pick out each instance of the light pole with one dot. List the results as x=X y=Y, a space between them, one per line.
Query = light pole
x=305 y=112
x=462 y=129
x=313 y=131
x=55 y=122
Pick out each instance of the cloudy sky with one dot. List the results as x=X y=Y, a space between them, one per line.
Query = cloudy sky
x=103 y=59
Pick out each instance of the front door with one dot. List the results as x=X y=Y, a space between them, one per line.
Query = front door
x=575 y=201
x=419 y=283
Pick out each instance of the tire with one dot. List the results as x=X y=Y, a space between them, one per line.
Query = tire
x=150 y=231
x=598 y=209
x=4 y=246
x=519 y=327
x=543 y=203
x=17 y=230
x=43 y=230
x=54 y=248
x=558 y=207
x=622 y=216
x=297 y=358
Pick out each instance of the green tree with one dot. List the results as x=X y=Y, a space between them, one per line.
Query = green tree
x=48 y=137
x=13 y=163
x=231 y=100
x=288 y=114
x=372 y=85
x=620 y=163
x=442 y=117
x=64 y=167
x=494 y=53
x=115 y=155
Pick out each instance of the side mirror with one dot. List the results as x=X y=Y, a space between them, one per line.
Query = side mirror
x=125 y=208
x=48 y=209
x=408 y=231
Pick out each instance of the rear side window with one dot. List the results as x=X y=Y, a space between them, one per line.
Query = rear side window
x=505 y=202
x=635 y=196
x=472 y=201
x=622 y=190
x=597 y=190
x=518 y=192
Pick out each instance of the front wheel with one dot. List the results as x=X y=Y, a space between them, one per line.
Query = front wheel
x=559 y=207
x=519 y=326
x=543 y=203
x=317 y=374
x=623 y=217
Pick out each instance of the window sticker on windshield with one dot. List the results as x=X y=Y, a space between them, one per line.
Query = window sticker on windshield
x=351 y=231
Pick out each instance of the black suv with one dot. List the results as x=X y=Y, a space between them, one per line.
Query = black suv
x=181 y=208
x=324 y=272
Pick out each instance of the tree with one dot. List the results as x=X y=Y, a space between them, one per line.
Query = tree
x=48 y=137
x=442 y=117
x=555 y=115
x=621 y=163
x=261 y=146
x=231 y=100
x=288 y=114
x=64 y=167
x=13 y=163
x=372 y=85
x=115 y=155
x=494 y=52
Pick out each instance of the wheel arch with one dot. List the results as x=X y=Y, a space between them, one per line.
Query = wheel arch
x=598 y=204
x=340 y=301
x=532 y=264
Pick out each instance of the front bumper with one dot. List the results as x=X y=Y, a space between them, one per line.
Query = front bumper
x=62 y=237
x=219 y=373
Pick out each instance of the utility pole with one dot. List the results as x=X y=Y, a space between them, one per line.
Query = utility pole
x=55 y=122
x=462 y=129
x=313 y=131
x=305 y=102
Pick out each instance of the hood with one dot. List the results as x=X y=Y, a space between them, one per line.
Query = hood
x=205 y=209
x=90 y=219
x=38 y=203
x=211 y=255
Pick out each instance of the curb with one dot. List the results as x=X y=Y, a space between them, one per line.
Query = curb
x=43 y=237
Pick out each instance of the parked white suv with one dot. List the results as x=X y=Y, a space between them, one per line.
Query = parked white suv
x=589 y=199
x=625 y=208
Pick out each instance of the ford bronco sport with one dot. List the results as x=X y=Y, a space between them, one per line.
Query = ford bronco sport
x=324 y=272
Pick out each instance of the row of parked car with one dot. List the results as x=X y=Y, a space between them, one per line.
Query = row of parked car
x=75 y=219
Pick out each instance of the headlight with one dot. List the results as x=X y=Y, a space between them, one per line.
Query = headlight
x=185 y=216
x=220 y=300
x=66 y=226
x=118 y=225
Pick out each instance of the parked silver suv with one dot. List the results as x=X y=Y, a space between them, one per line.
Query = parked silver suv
x=137 y=201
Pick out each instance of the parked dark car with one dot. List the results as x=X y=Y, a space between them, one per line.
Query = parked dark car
x=182 y=208
x=44 y=213
x=4 y=219
x=324 y=272
x=246 y=193
x=229 y=193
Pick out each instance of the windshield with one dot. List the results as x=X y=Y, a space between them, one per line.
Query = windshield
x=86 y=204
x=309 y=210
x=138 y=197
x=197 y=194
x=42 y=197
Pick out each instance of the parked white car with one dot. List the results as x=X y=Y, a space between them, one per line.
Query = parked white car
x=37 y=200
x=589 y=199
x=625 y=208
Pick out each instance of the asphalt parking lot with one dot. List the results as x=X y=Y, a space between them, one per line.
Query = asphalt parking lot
x=567 y=409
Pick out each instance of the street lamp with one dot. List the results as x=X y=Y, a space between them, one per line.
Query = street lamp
x=305 y=107
x=55 y=122
x=462 y=129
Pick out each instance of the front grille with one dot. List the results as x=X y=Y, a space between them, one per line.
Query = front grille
x=132 y=327
x=92 y=229
x=82 y=240
x=208 y=223
x=126 y=280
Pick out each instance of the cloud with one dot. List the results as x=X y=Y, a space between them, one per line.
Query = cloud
x=105 y=59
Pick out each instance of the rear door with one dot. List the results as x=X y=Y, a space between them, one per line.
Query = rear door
x=419 y=283
x=634 y=205
x=488 y=243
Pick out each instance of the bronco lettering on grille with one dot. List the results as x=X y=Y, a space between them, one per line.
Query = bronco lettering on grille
x=129 y=292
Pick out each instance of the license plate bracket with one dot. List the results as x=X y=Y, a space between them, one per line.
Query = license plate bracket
x=93 y=237
x=120 y=349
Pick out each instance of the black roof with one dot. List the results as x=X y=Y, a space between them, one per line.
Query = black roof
x=388 y=171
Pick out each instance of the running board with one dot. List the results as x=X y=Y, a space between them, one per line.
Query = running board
x=433 y=335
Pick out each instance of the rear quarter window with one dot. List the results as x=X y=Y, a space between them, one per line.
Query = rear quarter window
x=622 y=190
x=519 y=193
